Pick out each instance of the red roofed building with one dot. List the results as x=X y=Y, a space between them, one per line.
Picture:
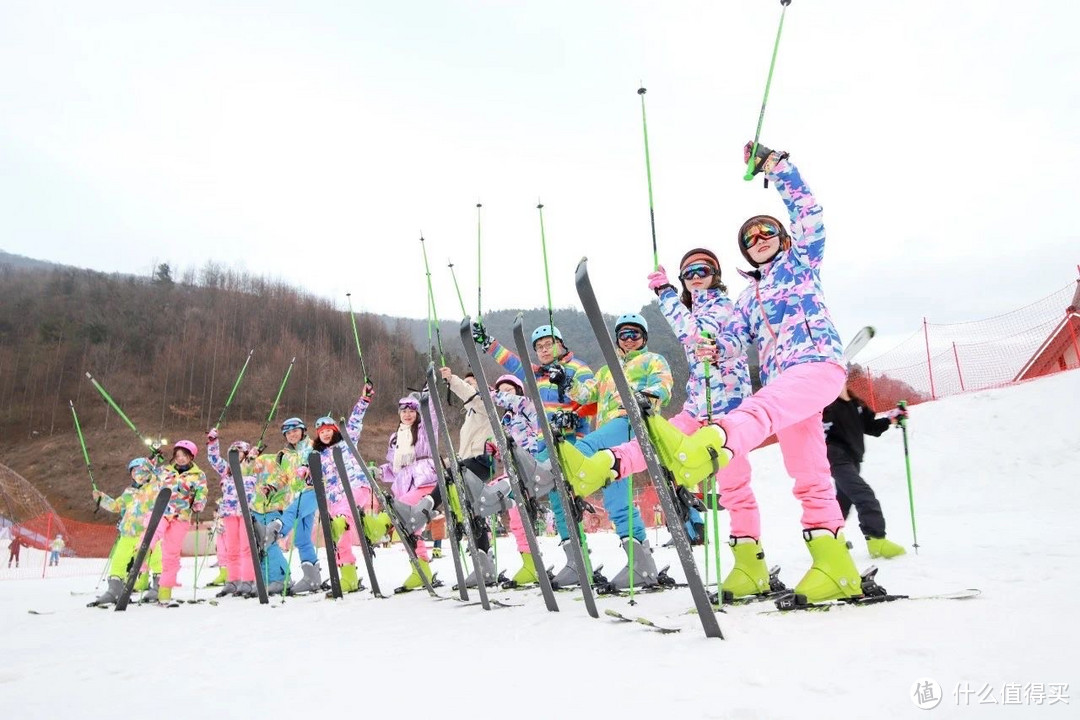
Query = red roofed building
x=1061 y=349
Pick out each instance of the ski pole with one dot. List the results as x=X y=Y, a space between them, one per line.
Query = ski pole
x=232 y=393
x=155 y=447
x=712 y=486
x=195 y=577
x=479 y=317
x=86 y=455
x=356 y=336
x=768 y=83
x=547 y=277
x=108 y=562
x=274 y=407
x=434 y=318
x=457 y=289
x=907 y=464
x=648 y=175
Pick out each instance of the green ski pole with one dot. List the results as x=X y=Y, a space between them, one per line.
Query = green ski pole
x=356 y=336
x=273 y=408
x=457 y=289
x=86 y=456
x=648 y=175
x=711 y=488
x=907 y=464
x=764 y=101
x=232 y=393
x=155 y=447
x=479 y=267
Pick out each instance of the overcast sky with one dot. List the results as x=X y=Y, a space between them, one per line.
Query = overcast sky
x=314 y=141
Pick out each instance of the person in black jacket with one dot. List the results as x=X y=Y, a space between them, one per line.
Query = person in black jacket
x=846 y=420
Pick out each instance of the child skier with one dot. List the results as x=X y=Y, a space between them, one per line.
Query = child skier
x=241 y=574
x=188 y=484
x=298 y=518
x=846 y=420
x=783 y=313
x=55 y=548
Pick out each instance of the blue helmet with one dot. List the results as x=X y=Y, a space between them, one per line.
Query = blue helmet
x=546 y=331
x=632 y=319
x=293 y=423
x=135 y=463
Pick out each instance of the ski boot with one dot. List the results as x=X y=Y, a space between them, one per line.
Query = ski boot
x=690 y=458
x=833 y=574
x=151 y=594
x=350 y=582
x=883 y=547
x=486 y=567
x=376 y=526
x=568 y=576
x=413 y=582
x=750 y=574
x=526 y=575
x=229 y=588
x=142 y=583
x=111 y=594
x=415 y=517
x=586 y=475
x=311 y=581
x=487 y=499
x=221 y=579
x=436 y=553
x=275 y=587
x=645 y=573
x=247 y=589
x=165 y=598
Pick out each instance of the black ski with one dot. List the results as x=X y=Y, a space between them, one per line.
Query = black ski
x=358 y=520
x=315 y=468
x=237 y=473
x=160 y=503
x=526 y=503
x=661 y=477
x=387 y=504
x=448 y=481
x=571 y=506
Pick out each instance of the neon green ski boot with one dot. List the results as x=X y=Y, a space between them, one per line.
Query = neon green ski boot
x=833 y=574
x=586 y=475
x=221 y=579
x=349 y=581
x=690 y=457
x=884 y=548
x=376 y=527
x=413 y=582
x=527 y=574
x=750 y=574
x=142 y=583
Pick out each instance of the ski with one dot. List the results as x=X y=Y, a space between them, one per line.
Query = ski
x=237 y=473
x=440 y=473
x=358 y=520
x=315 y=468
x=160 y=503
x=48 y=612
x=661 y=477
x=858 y=342
x=526 y=503
x=387 y=504
x=776 y=589
x=873 y=594
x=663 y=630
x=453 y=481
x=571 y=506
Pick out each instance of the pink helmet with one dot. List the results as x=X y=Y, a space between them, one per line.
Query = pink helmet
x=513 y=380
x=191 y=448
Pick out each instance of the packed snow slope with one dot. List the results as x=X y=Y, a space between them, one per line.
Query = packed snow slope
x=997 y=493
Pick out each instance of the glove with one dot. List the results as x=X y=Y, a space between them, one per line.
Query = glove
x=765 y=160
x=480 y=336
x=304 y=474
x=273 y=531
x=557 y=375
x=706 y=351
x=212 y=435
x=446 y=373
x=155 y=451
x=368 y=392
x=257 y=451
x=98 y=495
x=563 y=420
x=658 y=280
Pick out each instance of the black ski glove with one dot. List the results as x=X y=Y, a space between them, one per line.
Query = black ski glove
x=480 y=336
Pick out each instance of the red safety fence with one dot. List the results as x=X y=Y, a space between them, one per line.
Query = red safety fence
x=940 y=359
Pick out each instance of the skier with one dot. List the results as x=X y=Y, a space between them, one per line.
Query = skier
x=188 y=484
x=55 y=547
x=237 y=558
x=649 y=374
x=134 y=506
x=13 y=550
x=327 y=435
x=298 y=518
x=783 y=313
x=846 y=420
x=410 y=471
x=557 y=369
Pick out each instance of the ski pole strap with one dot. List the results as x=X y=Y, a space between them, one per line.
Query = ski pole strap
x=232 y=393
x=764 y=101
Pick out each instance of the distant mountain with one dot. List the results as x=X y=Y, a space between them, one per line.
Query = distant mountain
x=22 y=262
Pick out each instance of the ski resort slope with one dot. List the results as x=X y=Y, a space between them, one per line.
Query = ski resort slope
x=997 y=493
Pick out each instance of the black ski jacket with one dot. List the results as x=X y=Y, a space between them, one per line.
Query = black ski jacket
x=846 y=421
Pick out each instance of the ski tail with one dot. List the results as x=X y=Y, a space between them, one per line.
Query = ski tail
x=358 y=520
x=256 y=557
x=161 y=502
x=319 y=486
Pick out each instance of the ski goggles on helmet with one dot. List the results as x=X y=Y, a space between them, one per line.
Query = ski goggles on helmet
x=630 y=333
x=408 y=406
x=292 y=424
x=325 y=421
x=758 y=231
x=697 y=271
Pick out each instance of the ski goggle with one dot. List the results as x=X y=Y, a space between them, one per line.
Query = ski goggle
x=406 y=406
x=697 y=271
x=630 y=333
x=325 y=422
x=761 y=230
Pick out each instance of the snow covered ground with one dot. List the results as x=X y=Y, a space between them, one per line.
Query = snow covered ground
x=997 y=493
